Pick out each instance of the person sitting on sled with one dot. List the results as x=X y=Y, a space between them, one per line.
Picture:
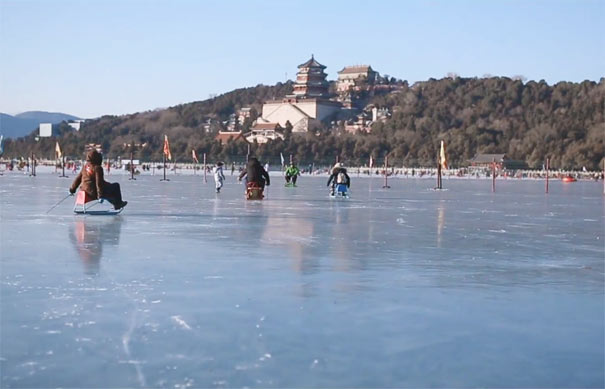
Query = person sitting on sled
x=255 y=173
x=292 y=173
x=219 y=177
x=91 y=179
x=339 y=177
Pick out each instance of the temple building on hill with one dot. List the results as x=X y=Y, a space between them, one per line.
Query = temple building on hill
x=311 y=80
x=351 y=77
x=309 y=103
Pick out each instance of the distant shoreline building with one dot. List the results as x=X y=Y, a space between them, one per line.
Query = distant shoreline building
x=485 y=161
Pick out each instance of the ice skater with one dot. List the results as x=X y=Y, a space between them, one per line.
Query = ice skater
x=292 y=173
x=91 y=179
x=339 y=178
x=219 y=177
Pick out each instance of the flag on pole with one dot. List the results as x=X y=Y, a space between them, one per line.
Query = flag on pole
x=58 y=151
x=282 y=159
x=371 y=162
x=442 y=157
x=167 y=148
x=194 y=155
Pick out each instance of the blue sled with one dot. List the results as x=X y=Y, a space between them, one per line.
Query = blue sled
x=341 y=191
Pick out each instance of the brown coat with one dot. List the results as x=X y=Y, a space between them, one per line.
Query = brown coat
x=91 y=177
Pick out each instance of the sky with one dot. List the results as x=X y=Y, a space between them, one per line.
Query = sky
x=91 y=58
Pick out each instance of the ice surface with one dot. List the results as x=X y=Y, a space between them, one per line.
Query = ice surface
x=400 y=287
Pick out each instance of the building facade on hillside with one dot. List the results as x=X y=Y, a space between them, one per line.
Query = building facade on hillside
x=209 y=125
x=301 y=113
x=225 y=136
x=232 y=122
x=75 y=124
x=307 y=106
x=380 y=114
x=311 y=80
x=243 y=114
x=351 y=77
x=93 y=146
x=501 y=160
x=360 y=124
x=264 y=132
x=46 y=130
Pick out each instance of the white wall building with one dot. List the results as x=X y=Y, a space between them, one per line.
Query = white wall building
x=75 y=124
x=46 y=130
x=263 y=133
x=301 y=113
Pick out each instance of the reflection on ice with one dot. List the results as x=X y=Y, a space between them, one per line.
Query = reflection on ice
x=88 y=236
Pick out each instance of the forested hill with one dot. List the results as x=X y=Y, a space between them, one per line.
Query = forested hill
x=527 y=121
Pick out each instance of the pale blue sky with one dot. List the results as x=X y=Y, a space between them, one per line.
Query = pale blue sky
x=90 y=58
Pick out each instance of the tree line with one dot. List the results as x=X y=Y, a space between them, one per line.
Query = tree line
x=527 y=121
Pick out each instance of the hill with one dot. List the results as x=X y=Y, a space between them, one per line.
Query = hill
x=527 y=121
x=46 y=117
x=13 y=127
x=24 y=123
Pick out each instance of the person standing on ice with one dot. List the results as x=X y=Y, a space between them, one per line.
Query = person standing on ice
x=219 y=177
x=339 y=176
x=93 y=183
x=255 y=173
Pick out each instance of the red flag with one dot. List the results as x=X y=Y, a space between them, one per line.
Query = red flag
x=167 y=148
x=194 y=155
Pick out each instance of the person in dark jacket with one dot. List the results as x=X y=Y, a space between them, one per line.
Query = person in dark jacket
x=339 y=176
x=255 y=173
x=91 y=181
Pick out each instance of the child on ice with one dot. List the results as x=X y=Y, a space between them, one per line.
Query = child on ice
x=219 y=177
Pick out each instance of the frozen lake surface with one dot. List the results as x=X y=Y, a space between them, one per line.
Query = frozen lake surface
x=400 y=287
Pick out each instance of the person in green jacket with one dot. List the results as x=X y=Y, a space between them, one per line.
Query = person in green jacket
x=292 y=173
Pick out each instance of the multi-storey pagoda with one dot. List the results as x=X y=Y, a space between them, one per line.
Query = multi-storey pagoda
x=311 y=80
x=308 y=105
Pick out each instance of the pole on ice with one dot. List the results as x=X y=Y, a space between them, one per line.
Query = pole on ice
x=439 y=184
x=205 y=180
x=386 y=173
x=132 y=162
x=547 y=168
x=164 y=164
x=494 y=175
x=33 y=167
x=63 y=166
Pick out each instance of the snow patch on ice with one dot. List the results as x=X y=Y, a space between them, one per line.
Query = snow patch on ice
x=178 y=320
